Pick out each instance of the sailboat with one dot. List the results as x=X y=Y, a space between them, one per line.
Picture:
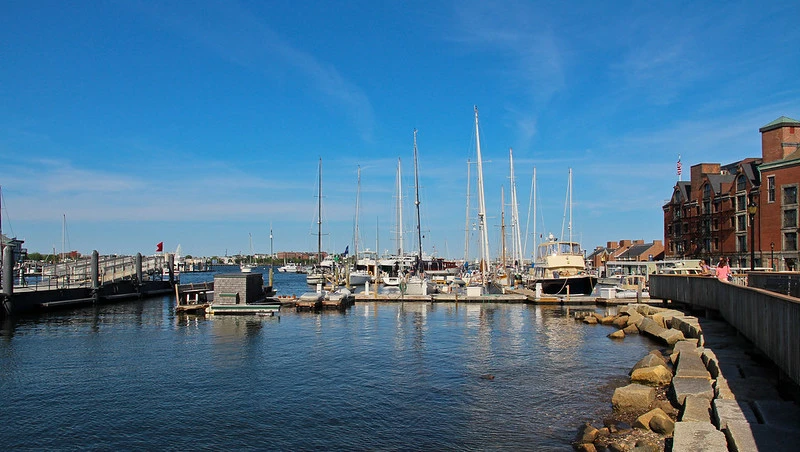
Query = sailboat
x=560 y=267
x=247 y=267
x=480 y=280
x=417 y=283
x=396 y=264
x=358 y=277
x=317 y=274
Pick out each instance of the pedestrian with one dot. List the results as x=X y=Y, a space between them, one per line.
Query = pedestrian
x=704 y=268
x=723 y=270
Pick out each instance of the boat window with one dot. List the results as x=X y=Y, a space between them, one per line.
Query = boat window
x=565 y=248
x=576 y=249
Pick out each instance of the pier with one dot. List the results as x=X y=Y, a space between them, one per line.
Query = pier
x=87 y=281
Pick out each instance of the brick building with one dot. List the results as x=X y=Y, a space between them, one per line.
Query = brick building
x=626 y=250
x=717 y=211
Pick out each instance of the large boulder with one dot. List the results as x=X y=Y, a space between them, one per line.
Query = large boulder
x=619 y=334
x=662 y=425
x=657 y=375
x=696 y=409
x=643 y=421
x=670 y=336
x=620 y=321
x=587 y=433
x=651 y=359
x=634 y=318
x=631 y=329
x=694 y=436
x=648 y=326
x=633 y=397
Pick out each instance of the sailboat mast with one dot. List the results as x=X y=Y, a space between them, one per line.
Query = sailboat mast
x=481 y=202
x=570 y=206
x=515 y=229
x=466 y=225
x=319 y=216
x=399 y=211
x=416 y=202
x=503 y=228
x=358 y=205
x=535 y=249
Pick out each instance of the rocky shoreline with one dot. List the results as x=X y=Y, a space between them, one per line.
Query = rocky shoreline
x=678 y=398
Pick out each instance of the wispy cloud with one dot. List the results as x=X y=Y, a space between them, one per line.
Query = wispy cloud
x=533 y=62
x=238 y=35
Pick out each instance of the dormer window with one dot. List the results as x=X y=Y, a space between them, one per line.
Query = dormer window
x=741 y=183
x=706 y=191
x=677 y=197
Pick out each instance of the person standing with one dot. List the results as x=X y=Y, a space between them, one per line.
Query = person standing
x=723 y=270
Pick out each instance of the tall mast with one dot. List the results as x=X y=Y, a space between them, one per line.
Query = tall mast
x=416 y=203
x=503 y=229
x=481 y=203
x=2 y=243
x=319 y=217
x=399 y=231
x=535 y=237
x=517 y=240
x=570 y=206
x=466 y=225
x=358 y=202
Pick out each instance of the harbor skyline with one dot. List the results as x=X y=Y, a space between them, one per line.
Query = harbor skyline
x=126 y=124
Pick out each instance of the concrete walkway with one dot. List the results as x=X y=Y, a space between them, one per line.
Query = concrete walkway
x=750 y=408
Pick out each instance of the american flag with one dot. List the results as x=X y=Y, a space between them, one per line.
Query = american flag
x=680 y=169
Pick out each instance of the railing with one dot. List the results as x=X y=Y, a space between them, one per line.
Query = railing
x=770 y=320
x=75 y=274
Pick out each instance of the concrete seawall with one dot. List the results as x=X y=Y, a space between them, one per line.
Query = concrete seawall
x=771 y=321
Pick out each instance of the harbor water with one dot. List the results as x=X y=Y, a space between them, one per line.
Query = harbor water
x=380 y=376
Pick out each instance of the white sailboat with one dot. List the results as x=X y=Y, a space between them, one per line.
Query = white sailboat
x=247 y=267
x=358 y=276
x=317 y=274
x=483 y=278
x=417 y=283
x=396 y=264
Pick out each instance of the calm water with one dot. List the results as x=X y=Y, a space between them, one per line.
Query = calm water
x=385 y=376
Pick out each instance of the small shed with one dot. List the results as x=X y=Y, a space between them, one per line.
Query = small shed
x=238 y=288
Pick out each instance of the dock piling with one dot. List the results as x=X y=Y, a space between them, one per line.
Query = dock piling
x=8 y=272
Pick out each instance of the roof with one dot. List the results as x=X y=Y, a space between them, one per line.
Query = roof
x=783 y=121
x=635 y=251
x=716 y=181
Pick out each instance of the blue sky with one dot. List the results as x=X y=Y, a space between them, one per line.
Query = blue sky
x=200 y=123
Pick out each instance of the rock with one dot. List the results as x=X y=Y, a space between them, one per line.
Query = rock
x=686 y=345
x=657 y=375
x=691 y=365
x=590 y=320
x=650 y=360
x=587 y=433
x=648 y=326
x=643 y=421
x=634 y=318
x=662 y=425
x=689 y=326
x=686 y=386
x=633 y=397
x=620 y=321
x=607 y=320
x=694 y=436
x=667 y=407
x=619 y=334
x=631 y=329
x=586 y=447
x=670 y=336
x=727 y=411
x=696 y=409
x=617 y=447
x=617 y=427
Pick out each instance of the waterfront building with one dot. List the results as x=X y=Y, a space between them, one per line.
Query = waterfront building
x=746 y=211
x=626 y=250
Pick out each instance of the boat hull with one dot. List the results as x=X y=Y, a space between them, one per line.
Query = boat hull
x=574 y=285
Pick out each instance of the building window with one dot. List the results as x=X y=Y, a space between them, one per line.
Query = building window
x=706 y=191
x=770 y=188
x=733 y=222
x=790 y=241
x=790 y=218
x=716 y=244
x=716 y=205
x=741 y=243
x=741 y=203
x=741 y=223
x=741 y=183
x=790 y=195
x=715 y=225
x=677 y=197
x=707 y=245
x=706 y=206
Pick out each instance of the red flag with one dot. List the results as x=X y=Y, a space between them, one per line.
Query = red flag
x=160 y=247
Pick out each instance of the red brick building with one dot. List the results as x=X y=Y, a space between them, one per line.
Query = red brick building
x=720 y=208
x=626 y=250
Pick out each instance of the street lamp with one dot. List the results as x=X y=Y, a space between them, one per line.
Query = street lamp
x=772 y=255
x=752 y=208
